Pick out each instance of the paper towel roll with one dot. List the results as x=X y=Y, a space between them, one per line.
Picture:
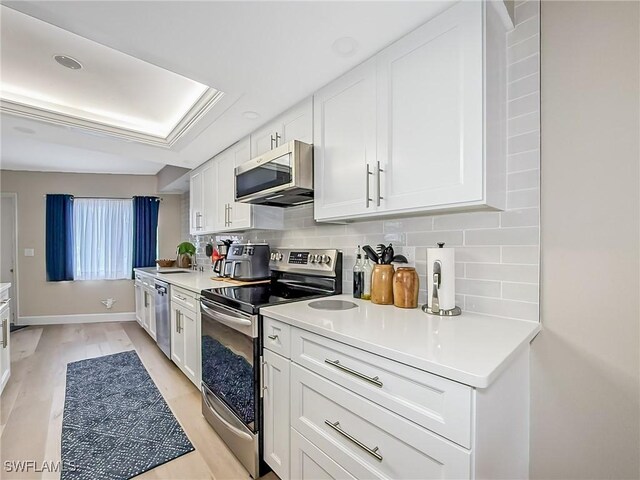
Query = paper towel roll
x=447 y=291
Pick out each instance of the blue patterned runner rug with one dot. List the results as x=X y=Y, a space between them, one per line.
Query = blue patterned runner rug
x=116 y=424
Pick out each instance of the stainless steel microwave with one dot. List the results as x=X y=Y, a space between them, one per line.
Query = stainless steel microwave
x=282 y=177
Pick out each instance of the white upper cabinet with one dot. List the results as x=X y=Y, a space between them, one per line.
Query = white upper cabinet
x=294 y=124
x=195 y=203
x=433 y=123
x=345 y=144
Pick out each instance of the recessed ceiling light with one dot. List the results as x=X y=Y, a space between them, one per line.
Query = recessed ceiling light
x=345 y=46
x=26 y=130
x=251 y=115
x=68 y=62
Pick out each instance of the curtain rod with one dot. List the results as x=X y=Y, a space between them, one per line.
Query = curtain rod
x=106 y=198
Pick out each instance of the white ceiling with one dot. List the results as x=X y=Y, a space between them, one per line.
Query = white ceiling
x=265 y=56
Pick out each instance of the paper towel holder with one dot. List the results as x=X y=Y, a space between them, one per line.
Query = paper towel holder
x=434 y=308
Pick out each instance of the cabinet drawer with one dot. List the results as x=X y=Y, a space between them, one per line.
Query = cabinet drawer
x=367 y=440
x=277 y=336
x=436 y=403
x=309 y=463
x=185 y=298
x=4 y=295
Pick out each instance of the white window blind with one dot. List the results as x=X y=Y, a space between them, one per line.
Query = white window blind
x=103 y=238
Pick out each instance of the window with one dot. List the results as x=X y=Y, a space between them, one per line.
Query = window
x=102 y=238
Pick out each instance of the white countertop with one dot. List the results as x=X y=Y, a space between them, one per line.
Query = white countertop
x=471 y=349
x=4 y=287
x=191 y=280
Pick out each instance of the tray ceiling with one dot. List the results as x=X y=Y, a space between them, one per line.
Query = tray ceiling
x=106 y=91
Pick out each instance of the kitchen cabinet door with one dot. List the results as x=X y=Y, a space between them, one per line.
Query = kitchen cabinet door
x=139 y=303
x=191 y=338
x=345 y=144
x=209 y=198
x=276 y=413
x=430 y=114
x=297 y=123
x=196 y=203
x=151 y=312
x=308 y=462
x=5 y=356
x=177 y=337
x=264 y=139
x=239 y=213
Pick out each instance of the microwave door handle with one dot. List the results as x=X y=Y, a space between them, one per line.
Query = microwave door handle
x=224 y=317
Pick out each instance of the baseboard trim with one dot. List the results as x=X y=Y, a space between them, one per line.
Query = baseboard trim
x=78 y=318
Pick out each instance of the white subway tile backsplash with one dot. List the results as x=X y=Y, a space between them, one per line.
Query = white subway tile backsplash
x=523 y=180
x=526 y=292
x=503 y=236
x=519 y=162
x=526 y=217
x=497 y=253
x=523 y=105
x=525 y=255
x=523 y=86
x=502 y=272
x=466 y=221
x=483 y=288
x=523 y=198
x=524 y=68
x=502 y=308
x=431 y=239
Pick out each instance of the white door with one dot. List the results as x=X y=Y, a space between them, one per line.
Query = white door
x=239 y=213
x=191 y=364
x=308 y=462
x=297 y=123
x=224 y=189
x=276 y=413
x=8 y=244
x=195 y=203
x=430 y=113
x=264 y=139
x=345 y=144
x=210 y=185
x=177 y=337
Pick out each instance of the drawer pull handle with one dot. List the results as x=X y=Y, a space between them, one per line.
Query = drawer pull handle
x=336 y=363
x=272 y=337
x=371 y=451
x=180 y=297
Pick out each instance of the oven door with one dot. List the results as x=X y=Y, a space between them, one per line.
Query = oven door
x=231 y=366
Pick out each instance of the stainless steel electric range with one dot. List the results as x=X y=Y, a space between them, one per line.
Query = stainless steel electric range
x=232 y=343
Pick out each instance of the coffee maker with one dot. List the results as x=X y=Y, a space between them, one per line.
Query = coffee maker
x=219 y=256
x=247 y=261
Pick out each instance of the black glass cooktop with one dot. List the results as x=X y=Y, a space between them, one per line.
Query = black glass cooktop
x=250 y=298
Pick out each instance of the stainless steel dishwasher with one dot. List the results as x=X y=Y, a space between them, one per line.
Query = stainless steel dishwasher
x=163 y=318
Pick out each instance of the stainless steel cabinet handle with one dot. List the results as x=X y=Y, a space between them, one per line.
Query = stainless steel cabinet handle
x=272 y=140
x=272 y=337
x=5 y=334
x=5 y=301
x=368 y=199
x=177 y=321
x=336 y=363
x=371 y=451
x=146 y=303
x=278 y=137
x=380 y=197
x=229 y=214
x=198 y=224
x=180 y=297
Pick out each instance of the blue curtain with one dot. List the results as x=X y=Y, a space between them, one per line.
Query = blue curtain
x=59 y=237
x=145 y=231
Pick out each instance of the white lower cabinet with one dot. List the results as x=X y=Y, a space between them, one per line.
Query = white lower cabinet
x=145 y=296
x=185 y=334
x=276 y=408
x=343 y=412
x=5 y=356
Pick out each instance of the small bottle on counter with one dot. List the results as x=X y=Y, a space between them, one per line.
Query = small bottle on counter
x=367 y=270
x=358 y=276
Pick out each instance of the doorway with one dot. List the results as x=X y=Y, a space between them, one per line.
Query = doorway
x=9 y=248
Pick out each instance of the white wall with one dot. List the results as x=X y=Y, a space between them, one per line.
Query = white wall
x=585 y=406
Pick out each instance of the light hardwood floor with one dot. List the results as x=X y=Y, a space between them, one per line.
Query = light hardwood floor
x=32 y=402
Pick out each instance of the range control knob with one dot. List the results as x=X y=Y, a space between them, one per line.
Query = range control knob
x=312 y=258
x=325 y=259
x=279 y=256
x=272 y=256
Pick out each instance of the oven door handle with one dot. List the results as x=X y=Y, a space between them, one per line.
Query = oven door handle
x=223 y=317
x=233 y=429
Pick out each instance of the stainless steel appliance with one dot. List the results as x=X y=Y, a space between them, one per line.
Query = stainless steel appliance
x=232 y=343
x=282 y=177
x=163 y=319
x=247 y=261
